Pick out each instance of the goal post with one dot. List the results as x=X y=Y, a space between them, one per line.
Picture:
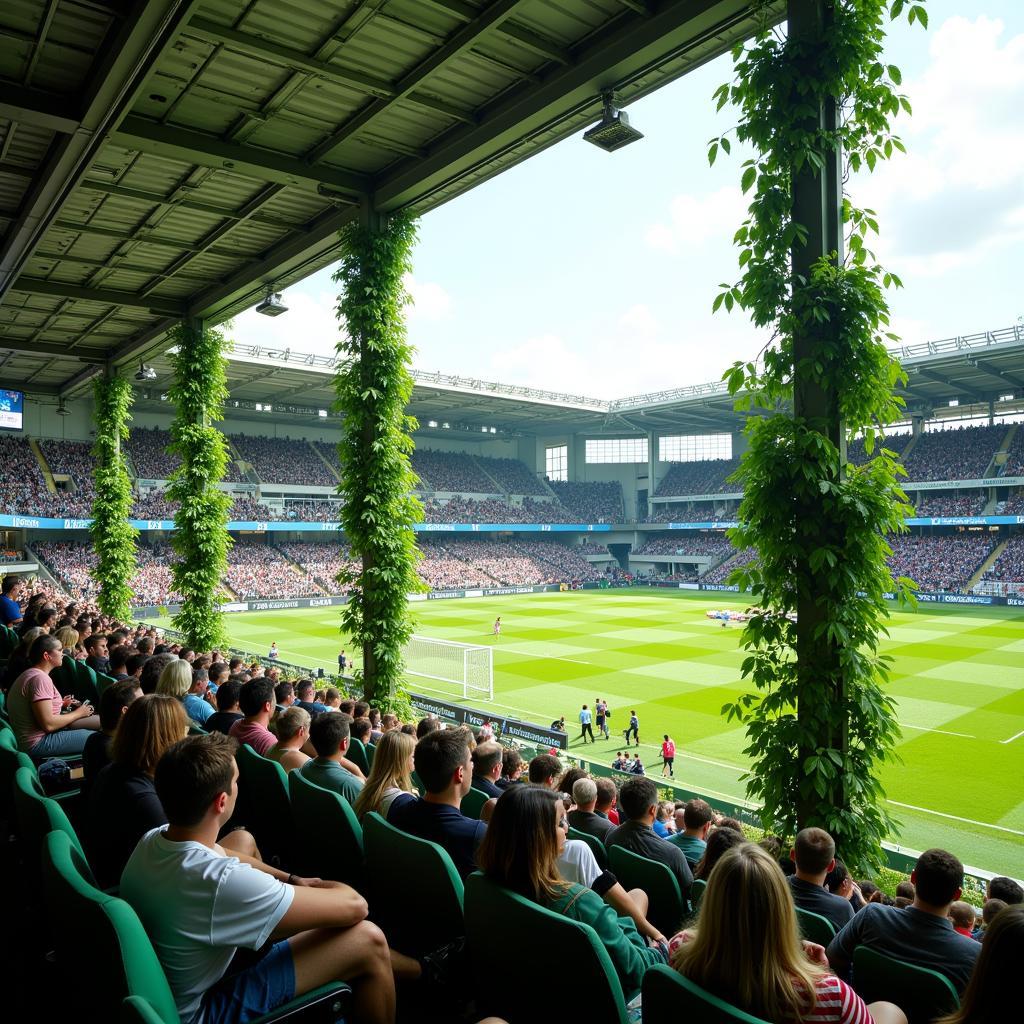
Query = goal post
x=468 y=668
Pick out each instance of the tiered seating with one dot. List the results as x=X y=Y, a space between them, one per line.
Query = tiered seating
x=451 y=471
x=599 y=502
x=856 y=453
x=707 y=477
x=22 y=488
x=73 y=459
x=442 y=568
x=71 y=562
x=712 y=545
x=283 y=461
x=147 y=449
x=963 y=453
x=1009 y=566
x=950 y=504
x=477 y=563
x=257 y=570
x=939 y=562
x=721 y=573
x=512 y=476
x=322 y=561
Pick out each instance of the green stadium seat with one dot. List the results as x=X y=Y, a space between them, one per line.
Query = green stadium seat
x=371 y=749
x=357 y=755
x=65 y=677
x=814 y=927
x=921 y=993
x=418 y=783
x=104 y=939
x=668 y=998
x=87 y=687
x=263 y=805
x=399 y=869
x=667 y=907
x=328 y=836
x=11 y=759
x=473 y=802
x=697 y=892
x=551 y=952
x=598 y=848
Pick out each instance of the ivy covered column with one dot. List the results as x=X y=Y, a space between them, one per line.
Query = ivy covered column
x=113 y=536
x=813 y=106
x=373 y=386
x=200 y=540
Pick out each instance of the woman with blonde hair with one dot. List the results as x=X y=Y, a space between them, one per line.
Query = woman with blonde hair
x=292 y=728
x=390 y=774
x=68 y=638
x=123 y=805
x=520 y=851
x=746 y=950
x=175 y=679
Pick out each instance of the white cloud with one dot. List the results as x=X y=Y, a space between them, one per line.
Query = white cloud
x=429 y=300
x=693 y=219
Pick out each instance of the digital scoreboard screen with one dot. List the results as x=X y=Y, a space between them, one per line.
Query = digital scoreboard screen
x=12 y=409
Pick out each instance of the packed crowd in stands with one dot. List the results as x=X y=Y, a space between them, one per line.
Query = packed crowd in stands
x=693 y=512
x=512 y=476
x=22 y=488
x=281 y=460
x=857 y=453
x=155 y=505
x=721 y=572
x=710 y=545
x=322 y=561
x=442 y=568
x=72 y=459
x=588 y=547
x=1014 y=465
x=457 y=472
x=950 y=504
x=706 y=477
x=162 y=784
x=257 y=570
x=1009 y=566
x=1013 y=505
x=71 y=563
x=939 y=562
x=593 y=502
x=147 y=450
x=963 y=453
x=502 y=563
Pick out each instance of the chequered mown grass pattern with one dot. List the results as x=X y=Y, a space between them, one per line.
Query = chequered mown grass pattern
x=958 y=680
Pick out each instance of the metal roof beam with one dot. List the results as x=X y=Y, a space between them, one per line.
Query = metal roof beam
x=119 y=72
x=527 y=38
x=461 y=41
x=141 y=236
x=43 y=109
x=994 y=371
x=177 y=143
x=41 y=348
x=17 y=170
x=958 y=389
x=110 y=297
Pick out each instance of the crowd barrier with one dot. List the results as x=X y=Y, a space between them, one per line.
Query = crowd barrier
x=462 y=714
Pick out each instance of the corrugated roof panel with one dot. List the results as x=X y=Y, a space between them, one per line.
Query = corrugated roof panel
x=76 y=34
x=29 y=145
x=294 y=206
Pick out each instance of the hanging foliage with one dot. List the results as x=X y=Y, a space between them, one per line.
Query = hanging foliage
x=818 y=727
x=200 y=538
x=113 y=536
x=373 y=386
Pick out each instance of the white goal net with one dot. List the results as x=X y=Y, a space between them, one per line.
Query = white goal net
x=466 y=669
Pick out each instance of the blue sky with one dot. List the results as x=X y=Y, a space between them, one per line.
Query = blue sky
x=593 y=272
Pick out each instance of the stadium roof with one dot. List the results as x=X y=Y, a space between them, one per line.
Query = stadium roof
x=171 y=158
x=970 y=370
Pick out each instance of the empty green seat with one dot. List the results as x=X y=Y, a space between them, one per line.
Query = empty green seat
x=598 y=848
x=697 y=892
x=814 y=927
x=263 y=805
x=328 y=836
x=551 y=952
x=357 y=755
x=399 y=869
x=921 y=993
x=667 y=907
x=104 y=939
x=37 y=815
x=473 y=802
x=669 y=998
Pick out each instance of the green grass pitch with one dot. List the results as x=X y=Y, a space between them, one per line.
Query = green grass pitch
x=958 y=680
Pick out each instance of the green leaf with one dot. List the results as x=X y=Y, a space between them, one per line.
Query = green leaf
x=748 y=179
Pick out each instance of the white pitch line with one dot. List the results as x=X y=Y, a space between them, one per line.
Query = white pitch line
x=954 y=817
x=530 y=654
x=1012 y=738
x=944 y=732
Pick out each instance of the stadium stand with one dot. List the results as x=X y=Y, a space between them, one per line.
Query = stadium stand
x=455 y=472
x=284 y=461
x=513 y=476
x=322 y=561
x=147 y=450
x=714 y=545
x=721 y=572
x=1009 y=566
x=708 y=477
x=71 y=562
x=594 y=502
x=939 y=562
x=857 y=454
x=929 y=504
x=258 y=570
x=963 y=453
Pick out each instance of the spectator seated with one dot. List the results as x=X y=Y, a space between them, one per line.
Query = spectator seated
x=929 y=504
x=1009 y=566
x=939 y=562
x=595 y=502
x=457 y=472
x=258 y=570
x=281 y=460
x=147 y=449
x=709 y=477
x=963 y=453
x=685 y=542
x=721 y=573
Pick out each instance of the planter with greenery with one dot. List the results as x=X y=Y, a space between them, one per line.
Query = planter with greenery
x=200 y=539
x=819 y=722
x=113 y=536
x=373 y=387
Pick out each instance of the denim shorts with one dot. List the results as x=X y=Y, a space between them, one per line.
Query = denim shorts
x=241 y=997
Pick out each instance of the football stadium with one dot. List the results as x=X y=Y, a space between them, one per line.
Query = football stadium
x=326 y=676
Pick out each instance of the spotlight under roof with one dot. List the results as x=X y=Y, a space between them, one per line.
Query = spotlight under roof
x=613 y=131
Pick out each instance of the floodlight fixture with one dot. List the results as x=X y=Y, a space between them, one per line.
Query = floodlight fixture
x=432 y=423
x=145 y=372
x=62 y=409
x=613 y=131
x=272 y=304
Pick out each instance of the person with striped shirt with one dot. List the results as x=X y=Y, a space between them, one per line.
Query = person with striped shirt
x=763 y=968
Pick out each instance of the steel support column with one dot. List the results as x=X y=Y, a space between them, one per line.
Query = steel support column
x=817 y=205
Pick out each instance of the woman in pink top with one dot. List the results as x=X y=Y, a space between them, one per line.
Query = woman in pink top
x=668 y=756
x=746 y=950
x=35 y=704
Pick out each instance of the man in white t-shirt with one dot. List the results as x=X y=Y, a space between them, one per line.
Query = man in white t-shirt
x=200 y=901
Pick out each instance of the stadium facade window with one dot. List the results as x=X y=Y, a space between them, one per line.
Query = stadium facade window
x=556 y=462
x=616 y=449
x=694 y=447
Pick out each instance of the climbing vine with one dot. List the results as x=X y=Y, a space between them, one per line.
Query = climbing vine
x=819 y=723
x=113 y=536
x=200 y=539
x=373 y=387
